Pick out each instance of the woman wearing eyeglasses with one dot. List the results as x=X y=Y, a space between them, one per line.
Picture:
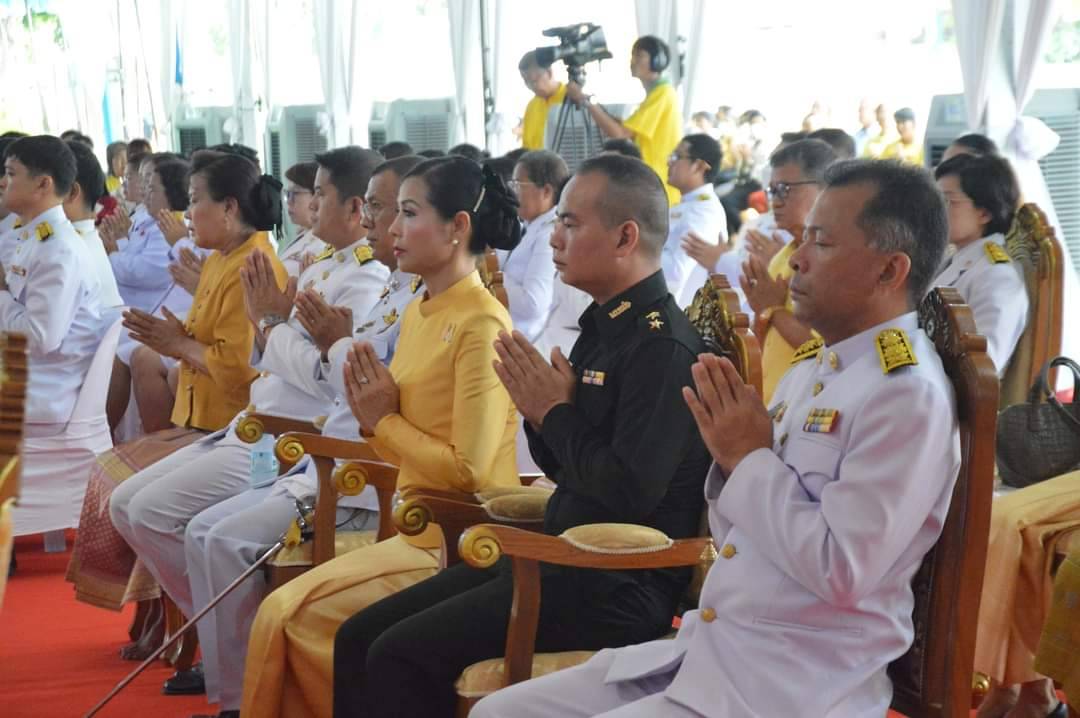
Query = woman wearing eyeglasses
x=798 y=171
x=299 y=190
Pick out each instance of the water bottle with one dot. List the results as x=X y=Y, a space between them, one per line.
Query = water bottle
x=264 y=465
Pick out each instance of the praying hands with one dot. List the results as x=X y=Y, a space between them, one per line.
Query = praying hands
x=534 y=385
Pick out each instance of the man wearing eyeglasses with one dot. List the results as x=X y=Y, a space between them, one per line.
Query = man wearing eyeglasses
x=692 y=170
x=798 y=172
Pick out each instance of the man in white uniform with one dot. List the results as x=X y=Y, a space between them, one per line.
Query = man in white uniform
x=982 y=195
x=692 y=169
x=224 y=540
x=821 y=511
x=152 y=509
x=45 y=291
x=88 y=188
x=8 y=219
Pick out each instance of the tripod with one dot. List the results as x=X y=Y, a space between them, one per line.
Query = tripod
x=572 y=116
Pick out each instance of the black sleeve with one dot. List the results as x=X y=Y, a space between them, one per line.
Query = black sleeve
x=629 y=476
x=541 y=454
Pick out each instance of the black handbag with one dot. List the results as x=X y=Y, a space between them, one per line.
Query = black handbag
x=1040 y=439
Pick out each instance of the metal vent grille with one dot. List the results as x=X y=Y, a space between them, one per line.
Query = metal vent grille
x=376 y=139
x=191 y=139
x=937 y=151
x=275 y=154
x=309 y=141
x=1061 y=168
x=428 y=132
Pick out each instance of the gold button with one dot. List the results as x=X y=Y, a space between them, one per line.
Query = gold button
x=325 y=274
x=728 y=551
x=834 y=361
x=340 y=257
x=783 y=440
x=264 y=374
x=818 y=388
x=708 y=615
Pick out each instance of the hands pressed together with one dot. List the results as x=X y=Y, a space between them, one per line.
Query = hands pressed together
x=534 y=385
x=164 y=335
x=262 y=297
x=186 y=270
x=326 y=324
x=370 y=388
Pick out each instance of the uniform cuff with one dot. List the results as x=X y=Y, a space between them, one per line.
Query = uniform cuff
x=560 y=424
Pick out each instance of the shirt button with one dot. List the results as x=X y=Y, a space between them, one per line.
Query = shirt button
x=728 y=551
x=708 y=615
x=264 y=374
x=834 y=360
x=818 y=388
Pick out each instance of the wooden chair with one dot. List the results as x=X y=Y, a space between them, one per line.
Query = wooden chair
x=1033 y=246
x=932 y=680
x=13 y=377
x=726 y=331
x=492 y=276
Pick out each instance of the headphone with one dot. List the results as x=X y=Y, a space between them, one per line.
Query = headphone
x=659 y=55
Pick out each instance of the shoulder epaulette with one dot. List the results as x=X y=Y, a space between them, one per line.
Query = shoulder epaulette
x=996 y=253
x=894 y=350
x=417 y=282
x=325 y=254
x=654 y=320
x=363 y=254
x=43 y=231
x=807 y=350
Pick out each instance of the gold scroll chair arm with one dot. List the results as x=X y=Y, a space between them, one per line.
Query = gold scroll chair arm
x=1036 y=251
x=934 y=678
x=726 y=330
x=363 y=468
x=253 y=425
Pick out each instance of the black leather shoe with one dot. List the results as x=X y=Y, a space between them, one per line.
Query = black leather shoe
x=186 y=683
x=222 y=714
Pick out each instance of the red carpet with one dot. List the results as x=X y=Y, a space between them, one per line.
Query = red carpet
x=59 y=657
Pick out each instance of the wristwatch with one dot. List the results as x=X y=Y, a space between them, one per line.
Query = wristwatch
x=270 y=321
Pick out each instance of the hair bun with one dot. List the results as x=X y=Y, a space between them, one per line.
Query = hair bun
x=496 y=212
x=266 y=201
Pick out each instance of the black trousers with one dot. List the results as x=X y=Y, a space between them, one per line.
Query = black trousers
x=401 y=656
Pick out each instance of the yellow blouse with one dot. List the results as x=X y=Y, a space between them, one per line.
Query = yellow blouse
x=217 y=318
x=776 y=353
x=456 y=426
x=657 y=128
x=535 y=120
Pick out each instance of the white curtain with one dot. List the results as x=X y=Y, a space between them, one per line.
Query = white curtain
x=661 y=18
x=692 y=82
x=502 y=70
x=978 y=39
x=244 y=45
x=468 y=81
x=85 y=29
x=340 y=34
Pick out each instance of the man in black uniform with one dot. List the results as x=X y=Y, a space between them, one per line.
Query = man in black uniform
x=610 y=427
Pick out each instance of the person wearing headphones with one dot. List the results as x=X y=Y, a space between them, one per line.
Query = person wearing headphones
x=656 y=125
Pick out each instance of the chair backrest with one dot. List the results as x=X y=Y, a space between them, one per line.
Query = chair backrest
x=90 y=406
x=13 y=378
x=726 y=331
x=1033 y=246
x=933 y=679
x=492 y=276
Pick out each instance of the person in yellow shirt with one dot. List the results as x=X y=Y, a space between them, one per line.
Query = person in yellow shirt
x=877 y=144
x=548 y=94
x=656 y=125
x=907 y=149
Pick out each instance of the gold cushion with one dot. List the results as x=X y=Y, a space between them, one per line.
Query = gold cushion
x=616 y=538
x=517 y=507
x=480 y=679
x=496 y=491
x=344 y=542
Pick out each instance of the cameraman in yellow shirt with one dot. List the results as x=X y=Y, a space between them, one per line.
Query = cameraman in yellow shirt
x=656 y=125
x=548 y=93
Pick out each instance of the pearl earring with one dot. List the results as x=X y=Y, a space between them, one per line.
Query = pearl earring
x=454 y=242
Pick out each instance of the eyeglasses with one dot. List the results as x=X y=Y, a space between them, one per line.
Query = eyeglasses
x=291 y=194
x=372 y=209
x=675 y=157
x=516 y=185
x=781 y=190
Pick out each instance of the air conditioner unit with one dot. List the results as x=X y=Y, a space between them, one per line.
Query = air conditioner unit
x=580 y=139
x=1060 y=110
x=293 y=136
x=378 y=131
x=424 y=124
x=199 y=127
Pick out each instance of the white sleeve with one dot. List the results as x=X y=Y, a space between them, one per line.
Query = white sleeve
x=51 y=300
x=531 y=297
x=999 y=303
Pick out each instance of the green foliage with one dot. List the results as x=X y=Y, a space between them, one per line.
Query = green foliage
x=1064 y=44
x=39 y=21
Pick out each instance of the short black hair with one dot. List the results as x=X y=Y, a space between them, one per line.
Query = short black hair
x=13 y=135
x=235 y=148
x=529 y=60
x=906 y=214
x=812 y=157
x=174 y=174
x=258 y=197
x=502 y=166
x=622 y=146
x=977 y=144
x=395 y=149
x=5 y=142
x=904 y=114
x=140 y=146
x=516 y=154
x=400 y=166
x=841 y=142
x=544 y=168
x=46 y=155
x=705 y=148
x=634 y=192
x=88 y=173
x=473 y=152
x=991 y=185
x=431 y=154
x=350 y=169
x=302 y=174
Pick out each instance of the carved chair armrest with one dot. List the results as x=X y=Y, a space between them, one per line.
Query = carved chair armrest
x=481 y=546
x=349 y=479
x=292 y=446
x=254 y=424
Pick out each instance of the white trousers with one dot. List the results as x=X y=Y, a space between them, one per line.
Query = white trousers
x=221 y=543
x=580 y=692
x=152 y=509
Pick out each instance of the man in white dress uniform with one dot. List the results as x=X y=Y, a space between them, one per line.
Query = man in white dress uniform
x=821 y=510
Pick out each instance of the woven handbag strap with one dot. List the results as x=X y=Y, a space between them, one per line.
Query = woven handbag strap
x=1051 y=396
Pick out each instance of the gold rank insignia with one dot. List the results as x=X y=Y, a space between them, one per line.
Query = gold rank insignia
x=703 y=197
x=996 y=253
x=623 y=306
x=777 y=412
x=363 y=254
x=596 y=378
x=390 y=318
x=416 y=282
x=807 y=350
x=655 y=322
x=385 y=292
x=43 y=231
x=894 y=350
x=821 y=421
x=325 y=254
x=17 y=225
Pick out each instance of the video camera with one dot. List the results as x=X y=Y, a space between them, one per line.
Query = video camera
x=578 y=44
